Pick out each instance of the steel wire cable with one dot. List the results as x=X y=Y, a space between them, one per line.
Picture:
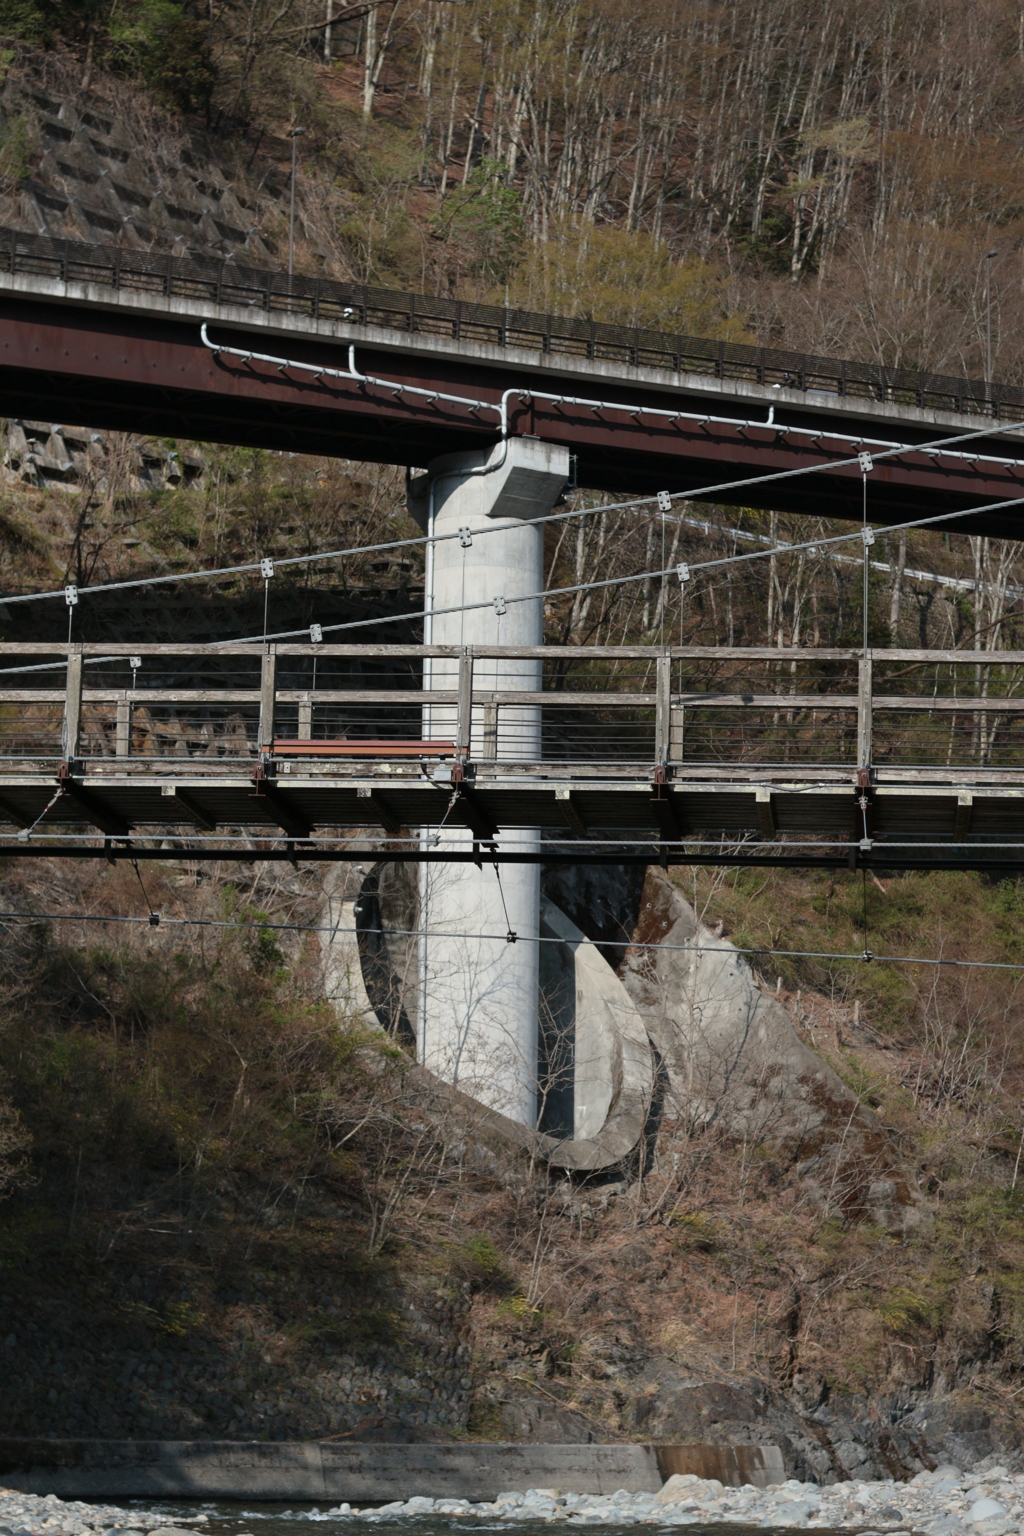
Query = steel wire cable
x=618 y=581
x=701 y=493
x=501 y=938
x=782 y=546
x=685 y=848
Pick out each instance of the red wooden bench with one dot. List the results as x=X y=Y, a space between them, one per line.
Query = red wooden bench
x=346 y=748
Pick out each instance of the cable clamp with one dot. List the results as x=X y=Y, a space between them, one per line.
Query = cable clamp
x=866 y=463
x=266 y=569
x=866 y=845
x=683 y=572
x=154 y=919
x=71 y=595
x=466 y=537
x=868 y=535
x=867 y=956
x=499 y=606
x=664 y=501
x=316 y=634
x=511 y=936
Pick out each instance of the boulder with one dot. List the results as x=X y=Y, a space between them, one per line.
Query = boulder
x=733 y=1058
x=983 y=1510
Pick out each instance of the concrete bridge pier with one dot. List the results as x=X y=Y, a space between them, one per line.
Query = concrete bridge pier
x=478 y=1014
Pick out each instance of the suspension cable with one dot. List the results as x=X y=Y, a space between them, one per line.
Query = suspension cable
x=703 y=493
x=618 y=581
x=502 y=938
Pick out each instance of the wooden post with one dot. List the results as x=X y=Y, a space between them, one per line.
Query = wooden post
x=677 y=724
x=964 y=811
x=124 y=728
x=464 y=730
x=864 y=712
x=663 y=710
x=306 y=718
x=268 y=678
x=489 y=750
x=73 y=703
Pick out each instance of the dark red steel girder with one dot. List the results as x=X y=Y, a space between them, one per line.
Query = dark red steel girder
x=133 y=369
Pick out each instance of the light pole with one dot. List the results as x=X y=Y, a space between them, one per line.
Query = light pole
x=988 y=314
x=293 y=135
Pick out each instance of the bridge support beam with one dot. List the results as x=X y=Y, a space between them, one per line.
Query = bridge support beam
x=478 y=1013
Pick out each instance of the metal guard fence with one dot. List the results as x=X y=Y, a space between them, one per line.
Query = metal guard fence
x=228 y=283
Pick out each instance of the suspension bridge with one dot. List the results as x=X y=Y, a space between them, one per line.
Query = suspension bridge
x=889 y=758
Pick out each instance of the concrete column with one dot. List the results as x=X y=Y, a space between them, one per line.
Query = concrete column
x=478 y=1016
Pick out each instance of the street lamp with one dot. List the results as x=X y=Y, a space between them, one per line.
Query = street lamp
x=988 y=314
x=293 y=134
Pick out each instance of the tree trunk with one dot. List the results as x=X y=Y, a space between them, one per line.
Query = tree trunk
x=369 y=61
x=896 y=599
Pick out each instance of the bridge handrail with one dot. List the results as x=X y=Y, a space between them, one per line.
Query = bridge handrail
x=645 y=653
x=229 y=283
x=778 y=696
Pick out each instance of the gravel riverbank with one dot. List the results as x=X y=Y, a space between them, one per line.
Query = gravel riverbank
x=942 y=1503
x=946 y=1502
x=38 y=1515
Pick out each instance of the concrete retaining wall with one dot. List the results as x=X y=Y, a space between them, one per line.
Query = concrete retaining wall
x=120 y=1469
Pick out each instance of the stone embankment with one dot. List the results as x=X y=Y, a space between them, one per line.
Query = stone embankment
x=28 y=1514
x=940 y=1503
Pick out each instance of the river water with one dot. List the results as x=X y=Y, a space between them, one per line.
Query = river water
x=255 y=1519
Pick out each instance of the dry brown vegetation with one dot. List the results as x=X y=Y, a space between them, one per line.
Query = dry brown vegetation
x=200 y=1117
x=194 y=1082
x=245 y=504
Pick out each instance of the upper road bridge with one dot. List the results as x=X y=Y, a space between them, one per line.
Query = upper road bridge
x=115 y=339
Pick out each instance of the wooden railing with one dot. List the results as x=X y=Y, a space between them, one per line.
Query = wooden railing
x=690 y=711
